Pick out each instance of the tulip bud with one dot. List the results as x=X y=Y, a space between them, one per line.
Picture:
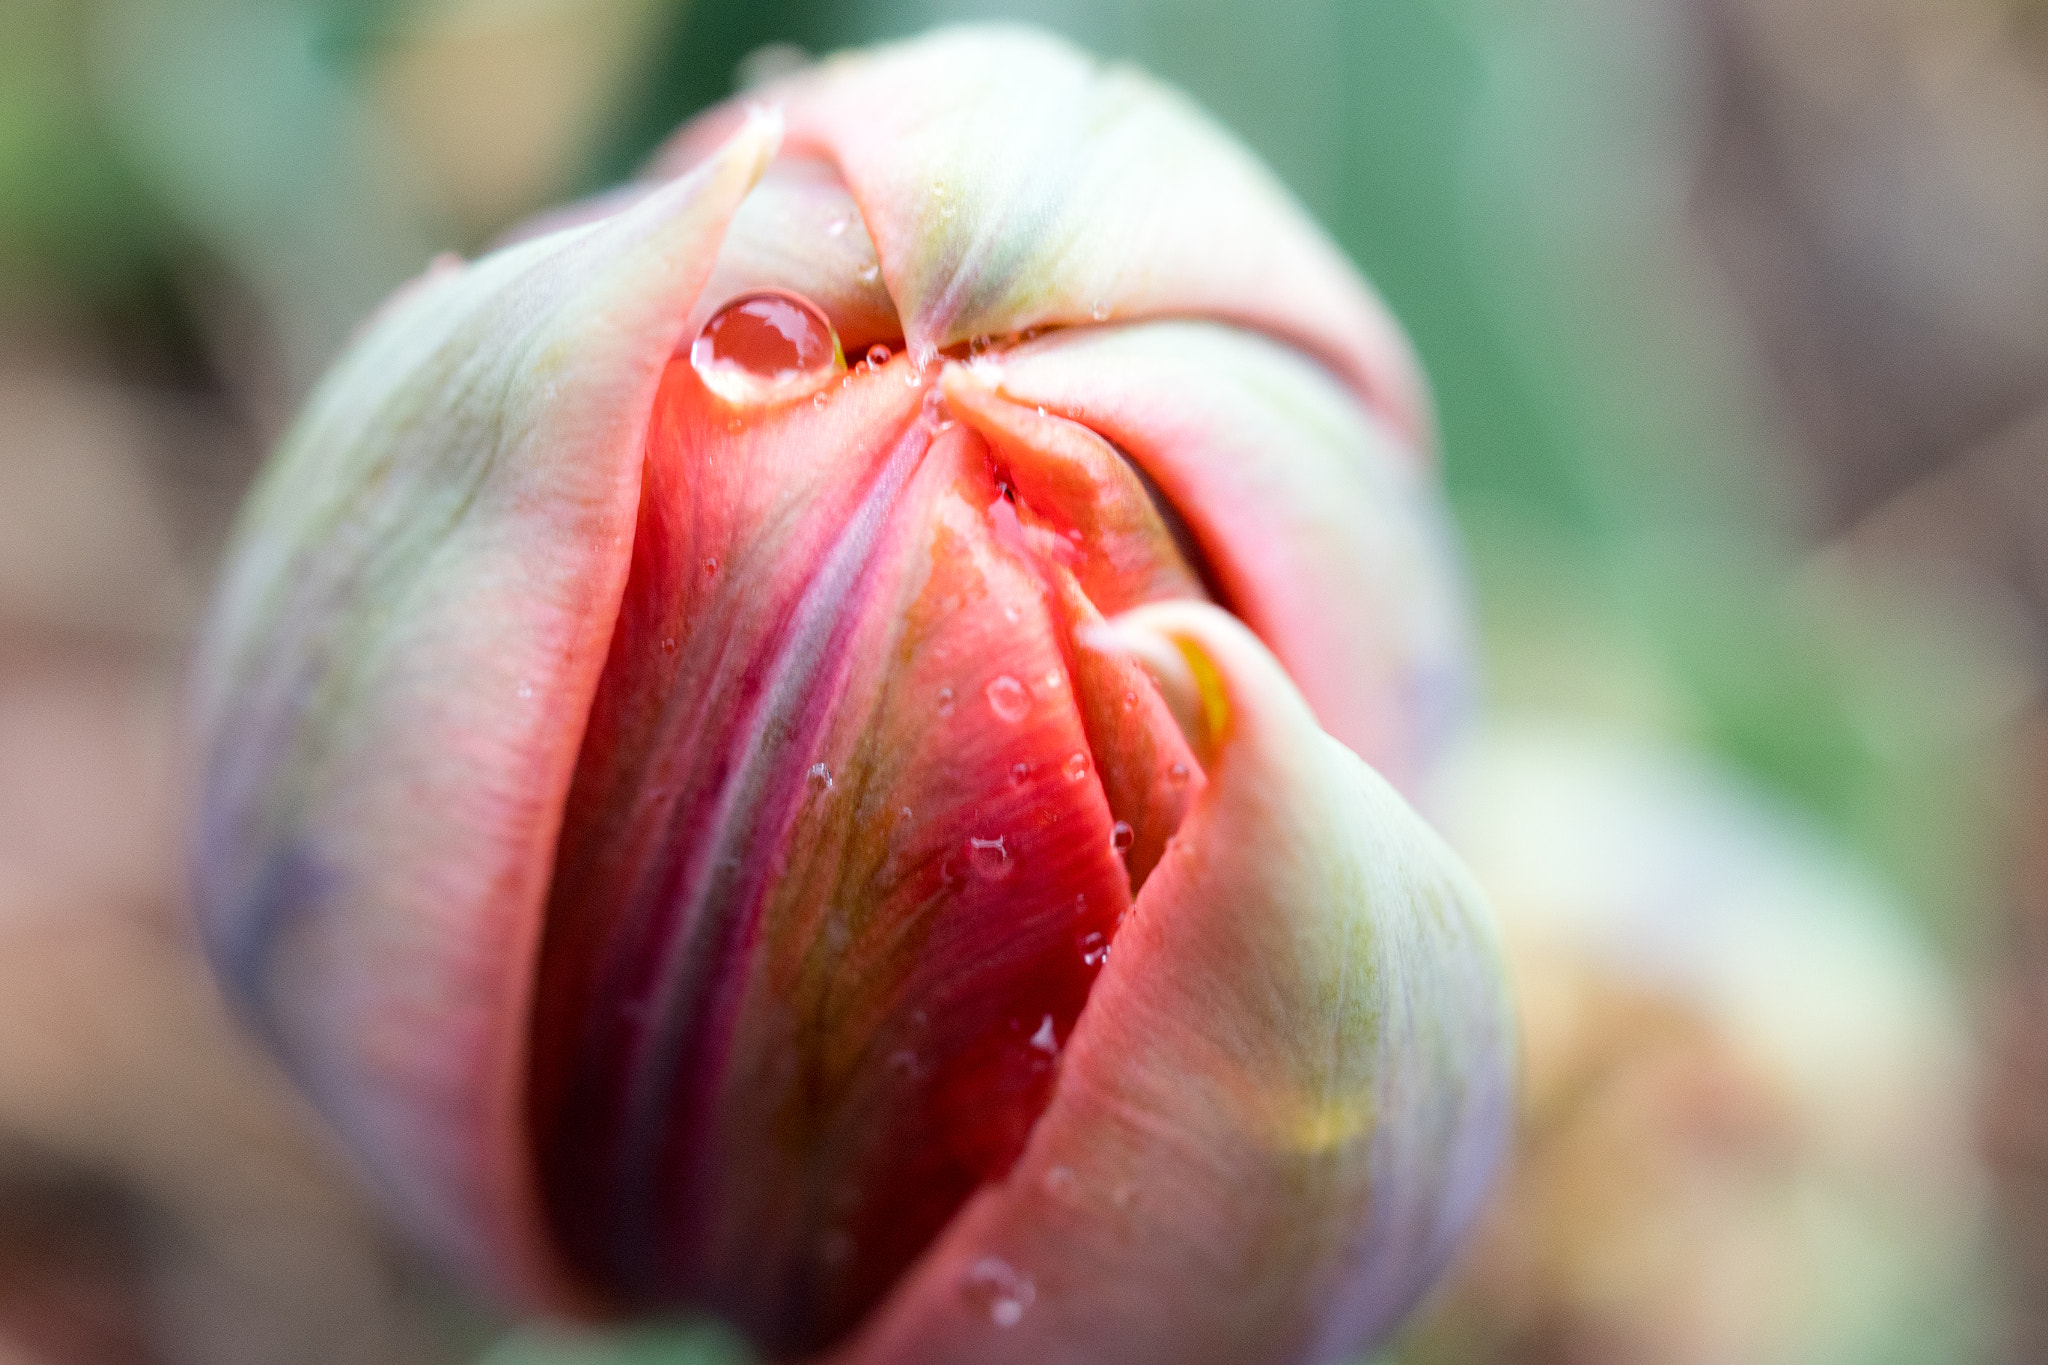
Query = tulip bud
x=795 y=744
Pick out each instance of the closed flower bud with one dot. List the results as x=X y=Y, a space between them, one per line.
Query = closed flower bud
x=794 y=744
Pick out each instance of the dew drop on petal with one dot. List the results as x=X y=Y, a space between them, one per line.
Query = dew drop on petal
x=819 y=399
x=870 y=273
x=1076 y=766
x=1045 y=1040
x=1061 y=1183
x=1121 y=836
x=837 y=227
x=1130 y=702
x=945 y=701
x=1020 y=773
x=1178 y=774
x=1094 y=947
x=878 y=355
x=990 y=859
x=668 y=644
x=710 y=567
x=820 y=777
x=1053 y=679
x=525 y=691
x=765 y=347
x=999 y=1289
x=1008 y=699
x=1100 y=312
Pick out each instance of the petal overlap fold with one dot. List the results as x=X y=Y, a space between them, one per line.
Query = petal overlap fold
x=1284 y=1101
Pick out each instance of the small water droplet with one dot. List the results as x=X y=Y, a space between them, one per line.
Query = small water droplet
x=1053 y=679
x=1045 y=1040
x=820 y=399
x=990 y=858
x=764 y=347
x=1013 y=613
x=710 y=567
x=903 y=1062
x=978 y=345
x=878 y=355
x=1041 y=409
x=668 y=644
x=1178 y=774
x=1123 y=1194
x=1100 y=312
x=1020 y=773
x=870 y=273
x=1094 y=947
x=1121 y=836
x=837 y=227
x=998 y=1288
x=1076 y=766
x=1062 y=1183
x=1130 y=702
x=945 y=701
x=525 y=691
x=820 y=778
x=1008 y=699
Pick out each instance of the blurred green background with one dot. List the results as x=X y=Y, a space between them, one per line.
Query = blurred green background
x=1736 y=313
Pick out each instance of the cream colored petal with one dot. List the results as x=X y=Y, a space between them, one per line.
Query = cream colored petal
x=391 y=693
x=1012 y=181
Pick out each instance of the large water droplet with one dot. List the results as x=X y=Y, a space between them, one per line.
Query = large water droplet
x=1008 y=699
x=999 y=1289
x=990 y=859
x=766 y=347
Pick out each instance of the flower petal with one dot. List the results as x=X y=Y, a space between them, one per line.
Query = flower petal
x=396 y=680
x=1320 y=532
x=1114 y=198
x=1289 y=1088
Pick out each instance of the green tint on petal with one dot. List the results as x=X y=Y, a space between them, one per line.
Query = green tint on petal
x=1012 y=181
x=394 y=683
x=1287 y=1094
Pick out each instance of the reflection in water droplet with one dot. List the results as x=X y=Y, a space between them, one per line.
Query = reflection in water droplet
x=1094 y=948
x=1076 y=767
x=998 y=1288
x=990 y=859
x=1062 y=1183
x=766 y=347
x=1178 y=774
x=1121 y=836
x=878 y=355
x=1008 y=699
x=1045 y=1040
x=945 y=701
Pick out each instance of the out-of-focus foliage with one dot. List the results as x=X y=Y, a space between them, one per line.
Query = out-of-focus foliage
x=1736 y=312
